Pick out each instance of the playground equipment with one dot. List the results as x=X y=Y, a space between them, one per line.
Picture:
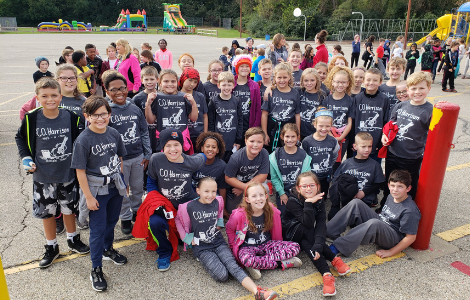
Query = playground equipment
x=64 y=25
x=129 y=22
x=175 y=23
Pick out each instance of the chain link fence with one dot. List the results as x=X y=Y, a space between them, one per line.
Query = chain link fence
x=8 y=23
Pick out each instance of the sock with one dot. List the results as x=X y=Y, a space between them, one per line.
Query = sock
x=279 y=264
x=70 y=236
x=52 y=242
x=334 y=249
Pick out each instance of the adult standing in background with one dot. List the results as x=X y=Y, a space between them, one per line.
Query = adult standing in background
x=128 y=66
x=322 y=52
x=277 y=52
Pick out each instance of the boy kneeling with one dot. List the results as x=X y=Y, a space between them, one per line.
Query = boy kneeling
x=394 y=229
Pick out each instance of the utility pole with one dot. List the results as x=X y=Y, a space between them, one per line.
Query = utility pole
x=241 y=8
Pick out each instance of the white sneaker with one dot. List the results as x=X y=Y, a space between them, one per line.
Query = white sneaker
x=293 y=262
x=254 y=273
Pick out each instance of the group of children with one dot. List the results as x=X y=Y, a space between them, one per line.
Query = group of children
x=214 y=146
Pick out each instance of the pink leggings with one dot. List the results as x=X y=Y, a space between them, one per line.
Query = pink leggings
x=266 y=256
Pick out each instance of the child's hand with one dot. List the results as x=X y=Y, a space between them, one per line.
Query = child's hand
x=284 y=199
x=385 y=140
x=237 y=192
x=383 y=253
x=360 y=195
x=28 y=164
x=92 y=204
x=237 y=145
x=189 y=97
x=317 y=256
x=271 y=46
x=150 y=98
x=315 y=198
x=266 y=140
x=145 y=163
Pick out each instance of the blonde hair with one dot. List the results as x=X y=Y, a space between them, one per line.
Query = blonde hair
x=364 y=136
x=264 y=61
x=226 y=76
x=47 y=83
x=146 y=45
x=215 y=61
x=278 y=37
x=417 y=78
x=314 y=73
x=69 y=67
x=322 y=108
x=149 y=71
x=138 y=54
x=397 y=61
x=238 y=51
x=127 y=48
x=340 y=70
x=267 y=210
x=284 y=66
x=332 y=63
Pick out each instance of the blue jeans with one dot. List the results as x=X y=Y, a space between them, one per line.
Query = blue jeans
x=435 y=63
x=159 y=228
x=102 y=222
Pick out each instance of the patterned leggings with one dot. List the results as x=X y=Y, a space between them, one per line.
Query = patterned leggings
x=266 y=255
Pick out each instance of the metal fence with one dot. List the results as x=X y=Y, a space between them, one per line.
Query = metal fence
x=227 y=23
x=8 y=22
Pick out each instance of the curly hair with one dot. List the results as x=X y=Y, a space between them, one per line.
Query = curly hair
x=332 y=63
x=284 y=66
x=267 y=209
x=202 y=138
x=340 y=70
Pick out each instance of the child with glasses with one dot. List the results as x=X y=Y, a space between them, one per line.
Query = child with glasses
x=211 y=88
x=97 y=158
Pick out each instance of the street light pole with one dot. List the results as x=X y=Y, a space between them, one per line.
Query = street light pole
x=298 y=13
x=362 y=22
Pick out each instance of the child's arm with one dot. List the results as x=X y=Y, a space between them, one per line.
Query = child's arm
x=205 y=121
x=231 y=229
x=239 y=134
x=277 y=182
x=91 y=202
x=170 y=59
x=186 y=237
x=264 y=125
x=144 y=136
x=211 y=116
x=149 y=116
x=86 y=74
x=194 y=110
x=346 y=131
x=297 y=120
x=402 y=245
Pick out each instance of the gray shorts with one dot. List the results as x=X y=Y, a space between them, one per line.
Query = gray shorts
x=48 y=197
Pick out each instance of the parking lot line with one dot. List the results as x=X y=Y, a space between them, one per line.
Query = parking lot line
x=455 y=233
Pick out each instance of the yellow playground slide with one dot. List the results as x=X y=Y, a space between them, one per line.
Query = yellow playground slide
x=444 y=25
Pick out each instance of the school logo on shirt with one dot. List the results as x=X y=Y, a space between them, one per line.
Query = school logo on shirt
x=57 y=153
x=369 y=123
x=323 y=166
x=361 y=177
x=58 y=139
x=114 y=166
x=129 y=136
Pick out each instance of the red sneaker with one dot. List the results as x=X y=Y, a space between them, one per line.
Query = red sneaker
x=340 y=266
x=270 y=186
x=329 y=285
x=264 y=294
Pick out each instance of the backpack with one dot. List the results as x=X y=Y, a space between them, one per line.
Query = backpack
x=426 y=58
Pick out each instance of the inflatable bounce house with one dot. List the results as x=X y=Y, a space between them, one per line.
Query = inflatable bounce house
x=64 y=25
x=129 y=22
x=173 y=21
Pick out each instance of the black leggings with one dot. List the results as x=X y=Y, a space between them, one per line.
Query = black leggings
x=368 y=62
x=411 y=69
x=355 y=59
x=305 y=237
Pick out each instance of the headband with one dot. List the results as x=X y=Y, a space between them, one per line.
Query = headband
x=324 y=112
x=211 y=137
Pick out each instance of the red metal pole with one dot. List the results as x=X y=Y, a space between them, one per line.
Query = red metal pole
x=433 y=168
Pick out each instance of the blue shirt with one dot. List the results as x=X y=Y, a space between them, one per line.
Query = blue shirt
x=356 y=47
x=255 y=69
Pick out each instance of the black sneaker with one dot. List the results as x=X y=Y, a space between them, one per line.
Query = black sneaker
x=49 y=256
x=98 y=283
x=126 y=226
x=134 y=216
x=82 y=226
x=77 y=245
x=59 y=225
x=114 y=256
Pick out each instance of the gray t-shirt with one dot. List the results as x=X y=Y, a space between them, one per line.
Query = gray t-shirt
x=308 y=105
x=204 y=219
x=172 y=111
x=75 y=105
x=53 y=148
x=367 y=172
x=324 y=154
x=174 y=179
x=297 y=75
x=403 y=217
x=140 y=100
x=259 y=237
x=243 y=93
x=129 y=121
x=290 y=166
x=240 y=167
x=98 y=153
x=325 y=90
x=212 y=91
x=413 y=122
x=195 y=128
x=262 y=89
x=371 y=114
x=391 y=92
x=226 y=119
x=282 y=107
x=342 y=109
x=216 y=170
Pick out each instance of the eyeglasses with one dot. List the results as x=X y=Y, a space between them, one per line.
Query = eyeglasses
x=216 y=71
x=122 y=89
x=401 y=93
x=341 y=82
x=97 y=116
x=305 y=186
x=65 y=79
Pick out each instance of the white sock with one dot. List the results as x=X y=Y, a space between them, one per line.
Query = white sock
x=70 y=236
x=52 y=242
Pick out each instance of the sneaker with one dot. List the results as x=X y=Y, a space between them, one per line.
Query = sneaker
x=293 y=262
x=77 y=246
x=264 y=294
x=270 y=187
x=49 y=256
x=163 y=264
x=254 y=273
x=340 y=266
x=329 y=285
x=134 y=216
x=83 y=225
x=59 y=225
x=452 y=91
x=126 y=226
x=114 y=256
x=98 y=283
